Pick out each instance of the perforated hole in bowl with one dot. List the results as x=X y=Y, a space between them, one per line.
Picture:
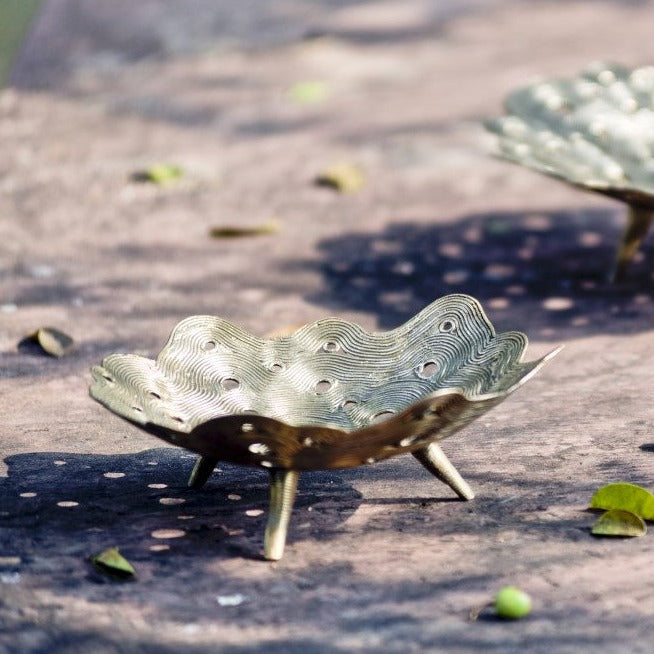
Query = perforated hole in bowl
x=331 y=346
x=348 y=405
x=259 y=448
x=408 y=441
x=381 y=416
x=322 y=386
x=433 y=410
x=428 y=369
x=207 y=346
x=448 y=325
x=229 y=383
x=277 y=367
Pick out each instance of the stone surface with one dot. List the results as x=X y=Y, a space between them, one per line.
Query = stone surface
x=381 y=558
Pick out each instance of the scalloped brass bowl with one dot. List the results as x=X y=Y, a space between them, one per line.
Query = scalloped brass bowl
x=330 y=395
x=595 y=131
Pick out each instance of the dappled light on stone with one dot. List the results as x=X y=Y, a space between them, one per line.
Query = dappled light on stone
x=566 y=256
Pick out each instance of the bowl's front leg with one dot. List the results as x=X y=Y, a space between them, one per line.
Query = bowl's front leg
x=283 y=485
x=434 y=459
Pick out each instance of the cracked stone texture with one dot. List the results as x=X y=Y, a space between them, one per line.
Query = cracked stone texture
x=382 y=558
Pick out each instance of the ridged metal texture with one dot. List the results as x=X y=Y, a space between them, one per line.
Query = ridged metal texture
x=595 y=130
x=330 y=395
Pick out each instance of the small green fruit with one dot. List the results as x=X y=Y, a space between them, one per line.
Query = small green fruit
x=512 y=603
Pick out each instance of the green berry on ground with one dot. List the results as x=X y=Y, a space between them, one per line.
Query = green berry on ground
x=512 y=603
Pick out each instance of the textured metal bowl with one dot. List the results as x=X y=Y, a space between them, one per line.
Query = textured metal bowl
x=595 y=131
x=330 y=395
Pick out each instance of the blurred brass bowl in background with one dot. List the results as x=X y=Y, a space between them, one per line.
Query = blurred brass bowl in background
x=595 y=131
x=330 y=395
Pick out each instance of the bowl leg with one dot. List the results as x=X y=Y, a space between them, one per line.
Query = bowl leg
x=204 y=466
x=434 y=459
x=283 y=484
x=639 y=220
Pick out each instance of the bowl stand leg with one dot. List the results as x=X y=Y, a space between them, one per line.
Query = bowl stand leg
x=434 y=459
x=283 y=484
x=639 y=220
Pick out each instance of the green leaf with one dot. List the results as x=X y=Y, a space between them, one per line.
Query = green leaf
x=113 y=563
x=159 y=173
x=512 y=603
x=232 y=231
x=342 y=177
x=628 y=497
x=311 y=92
x=617 y=522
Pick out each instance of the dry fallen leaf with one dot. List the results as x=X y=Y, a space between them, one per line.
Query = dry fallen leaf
x=627 y=497
x=232 y=231
x=113 y=563
x=617 y=522
x=52 y=341
x=342 y=177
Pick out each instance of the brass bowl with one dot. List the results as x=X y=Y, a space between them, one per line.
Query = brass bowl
x=328 y=396
x=594 y=131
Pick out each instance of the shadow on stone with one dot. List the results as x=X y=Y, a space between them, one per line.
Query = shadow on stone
x=543 y=273
x=57 y=509
x=56 y=505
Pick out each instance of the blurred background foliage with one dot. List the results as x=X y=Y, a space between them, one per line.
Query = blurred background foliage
x=15 y=19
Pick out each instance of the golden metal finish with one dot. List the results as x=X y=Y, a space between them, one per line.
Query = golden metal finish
x=434 y=459
x=330 y=395
x=283 y=484
x=595 y=131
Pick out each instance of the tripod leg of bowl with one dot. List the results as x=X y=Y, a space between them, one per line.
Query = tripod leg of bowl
x=434 y=459
x=283 y=484
x=204 y=466
x=639 y=220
